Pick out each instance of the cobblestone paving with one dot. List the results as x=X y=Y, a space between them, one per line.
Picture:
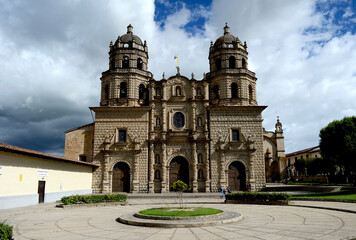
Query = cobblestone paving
x=260 y=222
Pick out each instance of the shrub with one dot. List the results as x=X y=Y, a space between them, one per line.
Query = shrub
x=5 y=231
x=77 y=199
x=259 y=197
x=179 y=186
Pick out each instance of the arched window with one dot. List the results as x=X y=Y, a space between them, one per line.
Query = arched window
x=157 y=159
x=200 y=158
x=158 y=122
x=106 y=92
x=125 y=62
x=141 y=90
x=158 y=91
x=139 y=63
x=199 y=122
x=216 y=92
x=243 y=63
x=198 y=91
x=218 y=64
x=250 y=93
x=234 y=90
x=126 y=45
x=157 y=175
x=112 y=63
x=200 y=174
x=232 y=61
x=178 y=91
x=123 y=90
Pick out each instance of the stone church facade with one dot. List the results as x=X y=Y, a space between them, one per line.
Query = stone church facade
x=150 y=133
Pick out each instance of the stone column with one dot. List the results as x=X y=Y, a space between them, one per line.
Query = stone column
x=105 y=186
x=151 y=162
x=135 y=171
x=164 y=120
x=194 y=167
x=194 y=117
x=251 y=179
x=222 y=170
x=206 y=90
x=207 y=168
x=164 y=168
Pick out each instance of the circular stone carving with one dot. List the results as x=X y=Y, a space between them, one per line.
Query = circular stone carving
x=178 y=120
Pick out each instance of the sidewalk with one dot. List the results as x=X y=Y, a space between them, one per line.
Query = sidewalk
x=300 y=220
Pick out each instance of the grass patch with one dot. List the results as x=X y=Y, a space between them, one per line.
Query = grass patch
x=178 y=212
x=340 y=195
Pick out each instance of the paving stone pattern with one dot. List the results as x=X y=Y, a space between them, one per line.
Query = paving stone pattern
x=260 y=222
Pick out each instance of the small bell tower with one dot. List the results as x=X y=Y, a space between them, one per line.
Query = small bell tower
x=231 y=83
x=126 y=81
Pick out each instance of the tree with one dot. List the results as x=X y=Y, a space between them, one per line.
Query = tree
x=300 y=165
x=338 y=144
x=319 y=166
x=179 y=187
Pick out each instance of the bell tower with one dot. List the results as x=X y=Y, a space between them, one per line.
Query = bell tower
x=231 y=83
x=126 y=81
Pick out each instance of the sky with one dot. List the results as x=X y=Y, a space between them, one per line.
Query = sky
x=52 y=54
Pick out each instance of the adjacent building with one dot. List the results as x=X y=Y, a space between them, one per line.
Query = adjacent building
x=29 y=177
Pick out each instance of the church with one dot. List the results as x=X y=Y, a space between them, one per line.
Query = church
x=149 y=133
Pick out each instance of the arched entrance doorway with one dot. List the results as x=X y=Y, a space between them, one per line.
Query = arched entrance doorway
x=121 y=178
x=178 y=170
x=275 y=171
x=237 y=176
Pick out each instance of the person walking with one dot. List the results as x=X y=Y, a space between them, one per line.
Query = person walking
x=221 y=192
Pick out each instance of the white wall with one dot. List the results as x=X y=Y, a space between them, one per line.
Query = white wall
x=20 y=175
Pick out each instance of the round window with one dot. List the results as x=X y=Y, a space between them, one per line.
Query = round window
x=178 y=120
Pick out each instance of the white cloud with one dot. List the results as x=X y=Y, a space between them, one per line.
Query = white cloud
x=52 y=54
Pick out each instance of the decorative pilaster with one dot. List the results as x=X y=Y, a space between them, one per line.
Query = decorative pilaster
x=135 y=180
x=195 y=163
x=164 y=168
x=164 y=120
x=222 y=170
x=194 y=117
x=106 y=187
x=207 y=168
x=151 y=169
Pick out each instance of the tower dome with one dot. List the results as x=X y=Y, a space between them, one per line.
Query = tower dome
x=227 y=40
x=129 y=37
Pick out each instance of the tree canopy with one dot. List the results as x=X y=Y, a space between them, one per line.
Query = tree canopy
x=338 y=143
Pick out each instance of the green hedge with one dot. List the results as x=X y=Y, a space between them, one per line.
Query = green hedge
x=78 y=199
x=5 y=231
x=262 y=197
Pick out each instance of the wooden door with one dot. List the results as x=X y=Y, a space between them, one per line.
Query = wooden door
x=121 y=178
x=234 y=181
x=41 y=191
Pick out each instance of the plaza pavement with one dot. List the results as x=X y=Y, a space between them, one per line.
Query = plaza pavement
x=301 y=220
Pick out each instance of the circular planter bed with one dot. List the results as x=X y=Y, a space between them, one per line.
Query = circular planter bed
x=180 y=217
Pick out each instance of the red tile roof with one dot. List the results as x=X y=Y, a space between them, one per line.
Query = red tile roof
x=9 y=148
x=307 y=150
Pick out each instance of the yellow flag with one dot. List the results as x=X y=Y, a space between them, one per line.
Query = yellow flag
x=176 y=58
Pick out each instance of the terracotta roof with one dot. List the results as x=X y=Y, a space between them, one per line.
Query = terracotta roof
x=9 y=148
x=307 y=150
